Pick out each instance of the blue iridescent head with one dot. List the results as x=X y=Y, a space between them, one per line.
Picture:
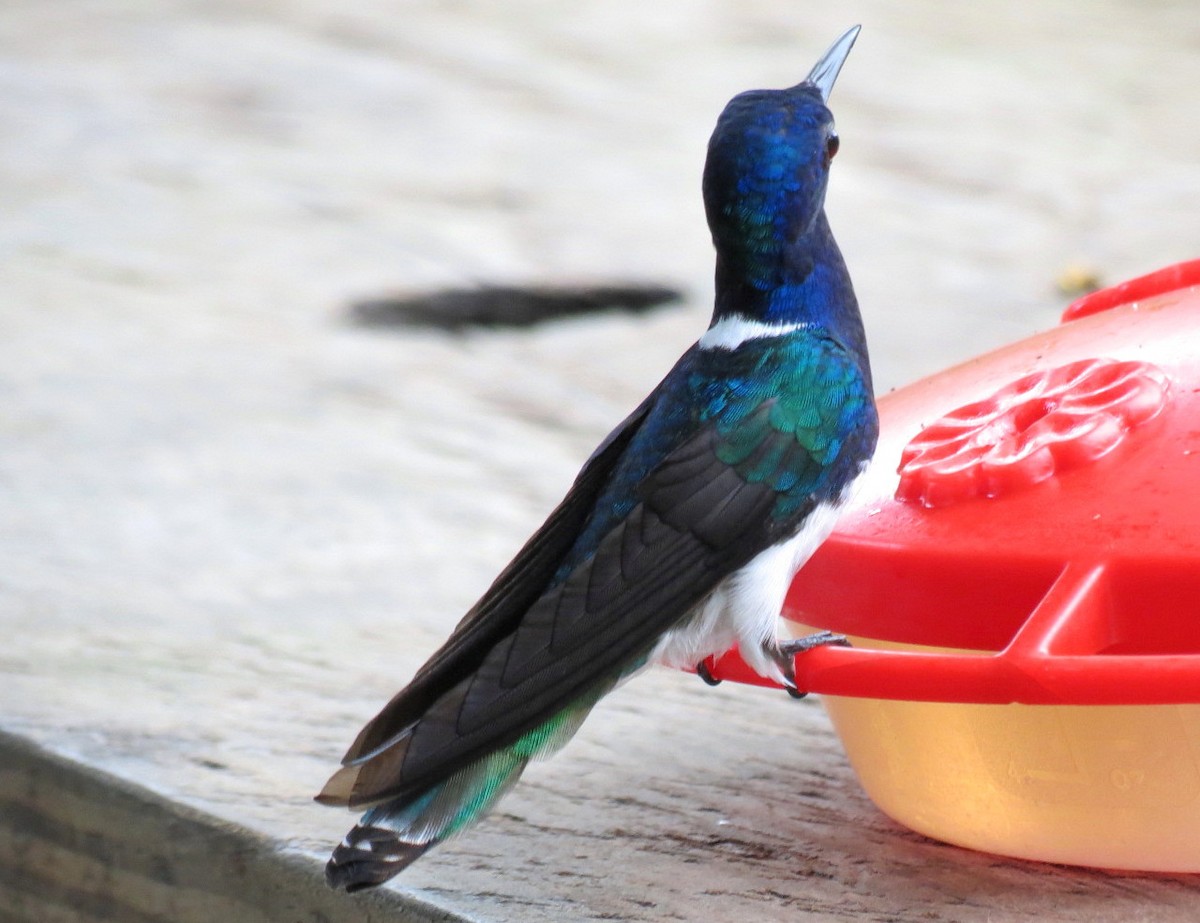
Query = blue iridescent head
x=768 y=165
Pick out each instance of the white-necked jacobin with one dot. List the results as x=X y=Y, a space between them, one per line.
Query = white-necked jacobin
x=684 y=529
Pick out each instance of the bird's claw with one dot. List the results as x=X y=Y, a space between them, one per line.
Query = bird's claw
x=705 y=674
x=789 y=649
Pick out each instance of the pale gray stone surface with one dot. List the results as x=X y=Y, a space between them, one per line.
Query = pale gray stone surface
x=232 y=524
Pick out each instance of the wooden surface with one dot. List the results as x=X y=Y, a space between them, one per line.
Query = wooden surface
x=232 y=523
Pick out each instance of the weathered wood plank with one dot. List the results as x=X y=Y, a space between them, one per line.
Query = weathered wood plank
x=79 y=845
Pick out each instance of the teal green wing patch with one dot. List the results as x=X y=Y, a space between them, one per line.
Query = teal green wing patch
x=800 y=439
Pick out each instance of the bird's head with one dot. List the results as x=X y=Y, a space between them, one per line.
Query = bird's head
x=768 y=161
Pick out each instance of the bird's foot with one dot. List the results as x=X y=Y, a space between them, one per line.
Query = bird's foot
x=789 y=649
x=705 y=674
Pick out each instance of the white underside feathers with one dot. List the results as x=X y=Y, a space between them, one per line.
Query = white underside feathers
x=744 y=608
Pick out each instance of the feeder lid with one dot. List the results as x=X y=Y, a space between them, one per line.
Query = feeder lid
x=1034 y=515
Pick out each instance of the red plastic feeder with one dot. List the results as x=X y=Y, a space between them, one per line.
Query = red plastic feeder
x=1020 y=579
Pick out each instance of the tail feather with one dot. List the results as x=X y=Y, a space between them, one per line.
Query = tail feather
x=369 y=856
x=393 y=835
x=396 y=832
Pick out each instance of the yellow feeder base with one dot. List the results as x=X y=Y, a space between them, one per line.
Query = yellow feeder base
x=1107 y=786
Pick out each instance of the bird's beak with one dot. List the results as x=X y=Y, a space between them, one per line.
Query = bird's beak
x=825 y=72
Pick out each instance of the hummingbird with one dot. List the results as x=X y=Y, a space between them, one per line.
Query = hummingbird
x=682 y=532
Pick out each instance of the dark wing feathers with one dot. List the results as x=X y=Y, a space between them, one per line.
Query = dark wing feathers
x=524 y=679
x=662 y=559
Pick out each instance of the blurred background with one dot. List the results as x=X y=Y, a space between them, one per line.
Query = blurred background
x=225 y=501
x=275 y=159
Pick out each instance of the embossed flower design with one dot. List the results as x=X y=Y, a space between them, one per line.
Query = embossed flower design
x=1030 y=430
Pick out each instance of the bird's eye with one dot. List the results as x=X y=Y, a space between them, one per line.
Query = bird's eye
x=831 y=147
